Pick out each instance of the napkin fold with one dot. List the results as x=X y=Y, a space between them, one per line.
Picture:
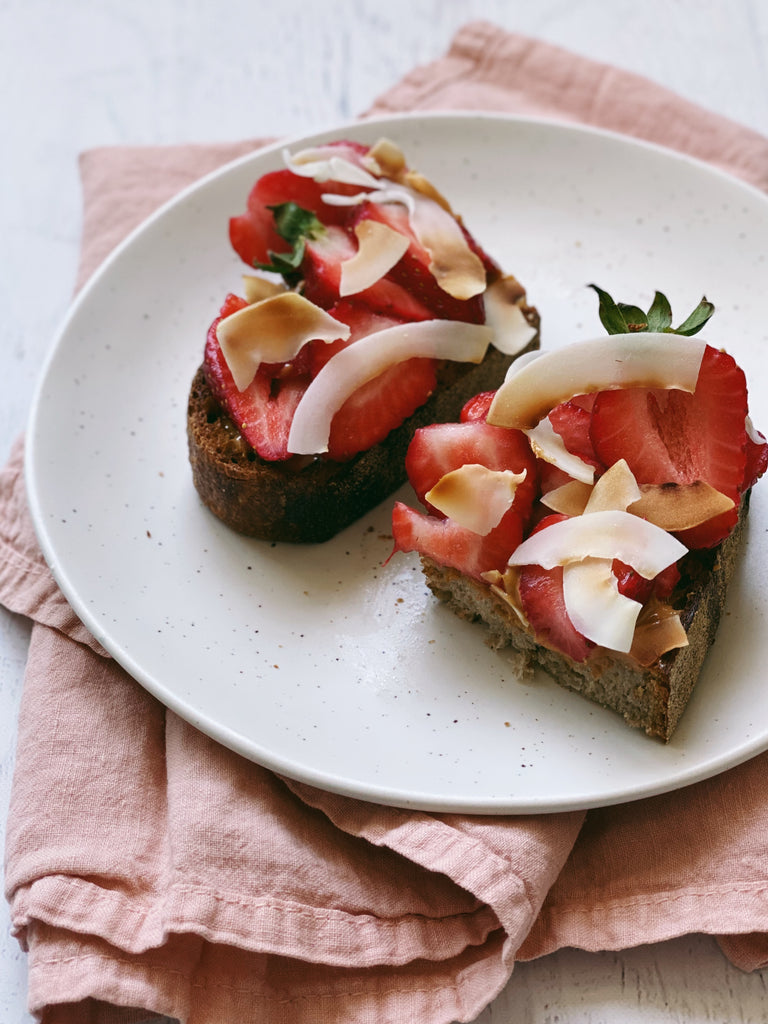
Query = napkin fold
x=151 y=871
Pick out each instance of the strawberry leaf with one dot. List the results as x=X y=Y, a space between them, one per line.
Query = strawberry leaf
x=296 y=225
x=621 y=318
x=697 y=319
x=634 y=317
x=610 y=314
x=659 y=314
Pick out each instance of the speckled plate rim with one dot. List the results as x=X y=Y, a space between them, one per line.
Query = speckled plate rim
x=549 y=771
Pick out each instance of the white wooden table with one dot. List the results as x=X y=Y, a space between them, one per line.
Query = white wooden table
x=89 y=73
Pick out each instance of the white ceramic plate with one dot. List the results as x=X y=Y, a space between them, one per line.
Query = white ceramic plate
x=320 y=662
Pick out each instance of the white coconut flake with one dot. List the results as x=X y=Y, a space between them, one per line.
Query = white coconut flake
x=752 y=432
x=516 y=365
x=385 y=192
x=609 y=534
x=596 y=607
x=606 y=363
x=360 y=362
x=475 y=496
x=511 y=331
x=323 y=164
x=548 y=445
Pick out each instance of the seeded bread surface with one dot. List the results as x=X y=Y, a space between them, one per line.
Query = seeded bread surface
x=652 y=699
x=309 y=500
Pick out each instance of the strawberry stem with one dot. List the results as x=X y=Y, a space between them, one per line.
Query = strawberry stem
x=622 y=318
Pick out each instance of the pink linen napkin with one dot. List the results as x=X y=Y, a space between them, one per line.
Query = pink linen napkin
x=149 y=870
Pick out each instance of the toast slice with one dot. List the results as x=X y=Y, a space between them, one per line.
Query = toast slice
x=651 y=698
x=389 y=317
x=600 y=545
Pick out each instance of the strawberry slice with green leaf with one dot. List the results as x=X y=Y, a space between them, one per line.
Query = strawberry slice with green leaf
x=253 y=233
x=673 y=436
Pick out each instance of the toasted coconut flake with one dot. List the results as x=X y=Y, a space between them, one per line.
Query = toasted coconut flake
x=506 y=586
x=273 y=331
x=257 y=288
x=676 y=506
x=356 y=364
x=511 y=330
x=385 y=158
x=417 y=181
x=548 y=445
x=616 y=361
x=612 y=534
x=380 y=248
x=658 y=630
x=476 y=497
x=615 y=490
x=596 y=607
x=569 y=499
x=457 y=269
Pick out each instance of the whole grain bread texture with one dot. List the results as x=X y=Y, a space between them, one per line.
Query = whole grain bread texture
x=652 y=698
x=311 y=499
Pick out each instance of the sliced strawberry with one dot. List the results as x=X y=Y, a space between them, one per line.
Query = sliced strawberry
x=252 y=235
x=449 y=544
x=278 y=187
x=361 y=320
x=321 y=266
x=542 y=600
x=550 y=476
x=634 y=586
x=757 y=460
x=674 y=436
x=477 y=408
x=321 y=269
x=379 y=406
x=412 y=271
x=442 y=447
x=572 y=421
x=264 y=410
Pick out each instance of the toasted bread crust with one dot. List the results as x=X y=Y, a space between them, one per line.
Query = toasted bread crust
x=308 y=500
x=652 y=698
